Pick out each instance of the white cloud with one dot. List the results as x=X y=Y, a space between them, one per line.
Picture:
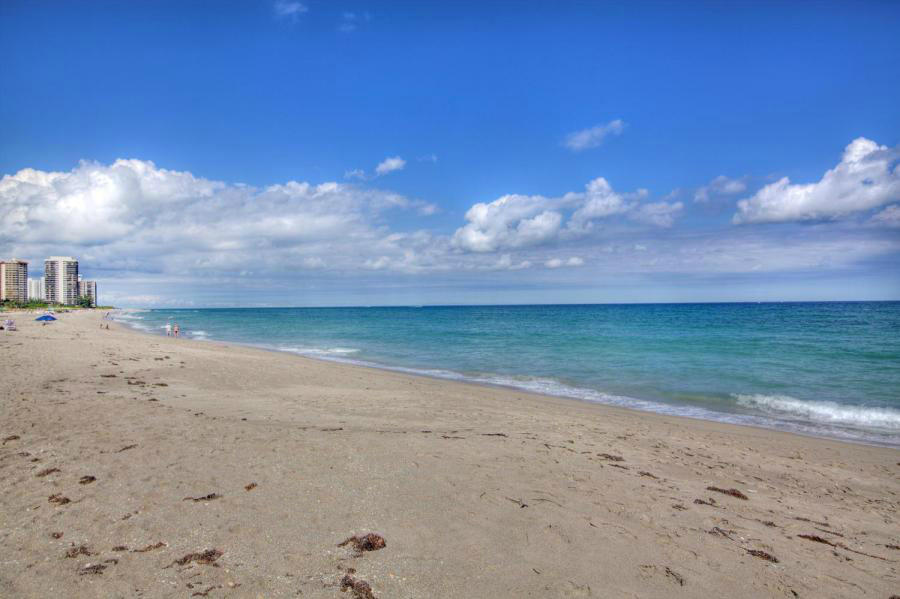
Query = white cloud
x=559 y=262
x=889 y=217
x=132 y=215
x=598 y=201
x=511 y=221
x=593 y=136
x=661 y=214
x=155 y=231
x=389 y=165
x=290 y=10
x=867 y=177
x=518 y=221
x=506 y=263
x=720 y=186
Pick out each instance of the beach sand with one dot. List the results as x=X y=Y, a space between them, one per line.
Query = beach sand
x=130 y=452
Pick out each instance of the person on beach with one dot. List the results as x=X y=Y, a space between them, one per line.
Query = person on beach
x=175 y=329
x=168 y=329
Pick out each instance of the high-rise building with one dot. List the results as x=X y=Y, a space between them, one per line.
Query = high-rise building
x=14 y=280
x=61 y=279
x=36 y=289
x=88 y=289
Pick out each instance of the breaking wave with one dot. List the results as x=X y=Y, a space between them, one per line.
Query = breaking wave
x=827 y=412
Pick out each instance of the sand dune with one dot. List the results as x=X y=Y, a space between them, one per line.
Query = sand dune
x=141 y=466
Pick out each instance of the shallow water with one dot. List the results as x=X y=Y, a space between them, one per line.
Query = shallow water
x=829 y=369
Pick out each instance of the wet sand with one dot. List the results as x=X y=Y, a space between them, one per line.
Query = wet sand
x=141 y=466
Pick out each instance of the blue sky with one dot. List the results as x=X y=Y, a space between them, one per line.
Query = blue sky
x=683 y=109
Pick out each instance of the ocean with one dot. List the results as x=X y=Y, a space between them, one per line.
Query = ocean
x=827 y=369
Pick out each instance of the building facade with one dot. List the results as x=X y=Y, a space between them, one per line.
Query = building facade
x=14 y=280
x=36 y=289
x=61 y=280
x=88 y=289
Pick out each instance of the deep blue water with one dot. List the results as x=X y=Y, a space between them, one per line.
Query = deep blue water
x=830 y=369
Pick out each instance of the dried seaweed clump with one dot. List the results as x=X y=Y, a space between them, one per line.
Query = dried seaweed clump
x=367 y=542
x=207 y=557
x=732 y=492
x=817 y=539
x=150 y=547
x=360 y=588
x=763 y=555
x=209 y=497
x=92 y=569
x=80 y=550
x=675 y=576
x=611 y=457
x=59 y=499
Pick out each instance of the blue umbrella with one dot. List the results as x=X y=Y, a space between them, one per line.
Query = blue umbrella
x=45 y=317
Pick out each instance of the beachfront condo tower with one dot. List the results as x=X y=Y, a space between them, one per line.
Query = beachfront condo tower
x=36 y=289
x=61 y=280
x=14 y=280
x=88 y=289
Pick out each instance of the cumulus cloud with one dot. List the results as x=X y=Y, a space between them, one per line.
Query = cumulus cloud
x=134 y=215
x=153 y=231
x=511 y=221
x=867 y=177
x=519 y=221
x=389 y=165
x=720 y=186
x=598 y=201
x=290 y=10
x=593 y=136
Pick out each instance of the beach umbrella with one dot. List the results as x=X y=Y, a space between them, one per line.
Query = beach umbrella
x=45 y=317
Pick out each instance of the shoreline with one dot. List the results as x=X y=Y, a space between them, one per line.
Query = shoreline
x=478 y=491
x=755 y=421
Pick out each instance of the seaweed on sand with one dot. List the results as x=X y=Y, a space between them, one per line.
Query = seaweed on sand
x=206 y=557
x=732 y=492
x=209 y=497
x=367 y=542
x=360 y=588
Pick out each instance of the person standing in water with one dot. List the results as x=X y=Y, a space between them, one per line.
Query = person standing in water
x=168 y=329
x=175 y=329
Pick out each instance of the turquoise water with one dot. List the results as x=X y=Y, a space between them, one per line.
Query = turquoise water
x=828 y=369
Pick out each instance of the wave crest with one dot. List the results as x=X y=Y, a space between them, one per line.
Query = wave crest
x=822 y=411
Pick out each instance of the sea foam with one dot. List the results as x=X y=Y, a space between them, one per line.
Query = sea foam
x=821 y=411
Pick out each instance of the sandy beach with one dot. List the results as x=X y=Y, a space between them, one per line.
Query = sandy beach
x=142 y=466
